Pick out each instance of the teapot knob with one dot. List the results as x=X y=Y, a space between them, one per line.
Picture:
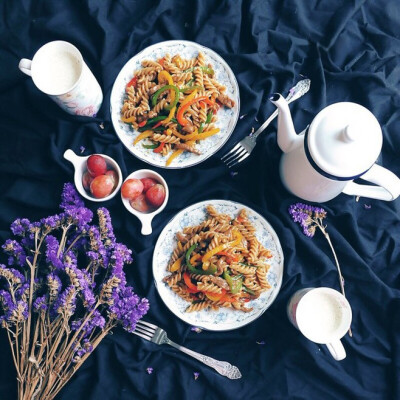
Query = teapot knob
x=350 y=133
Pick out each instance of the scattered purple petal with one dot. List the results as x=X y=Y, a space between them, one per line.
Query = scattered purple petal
x=256 y=119
x=367 y=206
x=82 y=149
x=196 y=329
x=242 y=116
x=233 y=174
x=101 y=125
x=261 y=342
x=196 y=375
x=149 y=370
x=252 y=130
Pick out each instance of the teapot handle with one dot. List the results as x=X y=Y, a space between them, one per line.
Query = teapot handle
x=388 y=185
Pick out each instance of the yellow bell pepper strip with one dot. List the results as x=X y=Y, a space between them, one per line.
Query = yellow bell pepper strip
x=170 y=116
x=176 y=265
x=163 y=89
x=212 y=269
x=197 y=136
x=142 y=136
x=186 y=104
x=172 y=157
x=165 y=76
x=216 y=296
x=159 y=148
x=129 y=119
x=196 y=257
x=222 y=247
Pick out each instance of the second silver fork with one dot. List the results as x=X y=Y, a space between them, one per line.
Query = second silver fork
x=157 y=335
x=244 y=148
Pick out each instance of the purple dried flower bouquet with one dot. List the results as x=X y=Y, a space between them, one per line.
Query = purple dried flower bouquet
x=62 y=291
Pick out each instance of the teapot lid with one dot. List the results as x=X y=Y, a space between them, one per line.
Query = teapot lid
x=344 y=140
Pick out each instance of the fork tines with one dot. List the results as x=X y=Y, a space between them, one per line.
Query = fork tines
x=145 y=330
x=235 y=156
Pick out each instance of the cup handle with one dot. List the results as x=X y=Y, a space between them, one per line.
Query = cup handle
x=337 y=350
x=25 y=66
x=146 y=226
x=388 y=185
x=72 y=157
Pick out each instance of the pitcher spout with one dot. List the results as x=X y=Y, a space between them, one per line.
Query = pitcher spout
x=287 y=136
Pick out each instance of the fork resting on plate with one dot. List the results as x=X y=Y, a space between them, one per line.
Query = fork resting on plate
x=157 y=335
x=244 y=148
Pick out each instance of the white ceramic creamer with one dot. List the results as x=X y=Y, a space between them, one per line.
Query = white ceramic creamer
x=341 y=144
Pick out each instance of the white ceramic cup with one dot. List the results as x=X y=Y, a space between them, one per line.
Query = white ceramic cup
x=323 y=315
x=58 y=70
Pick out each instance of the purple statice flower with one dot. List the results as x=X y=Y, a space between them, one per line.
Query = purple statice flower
x=20 y=227
x=23 y=292
x=17 y=255
x=40 y=304
x=106 y=229
x=52 y=222
x=196 y=329
x=97 y=253
x=6 y=300
x=70 y=197
x=18 y=312
x=309 y=217
x=149 y=370
x=121 y=255
x=196 y=375
x=127 y=307
x=13 y=276
x=54 y=286
x=95 y=321
x=51 y=252
x=80 y=216
x=79 y=279
x=66 y=302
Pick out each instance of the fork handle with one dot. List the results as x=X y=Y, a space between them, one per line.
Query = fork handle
x=264 y=125
x=222 y=367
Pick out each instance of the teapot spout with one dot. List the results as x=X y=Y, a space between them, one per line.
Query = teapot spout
x=287 y=136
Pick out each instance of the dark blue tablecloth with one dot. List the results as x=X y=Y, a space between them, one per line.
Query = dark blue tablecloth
x=351 y=52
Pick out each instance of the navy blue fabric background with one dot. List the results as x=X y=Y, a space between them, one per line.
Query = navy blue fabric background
x=351 y=52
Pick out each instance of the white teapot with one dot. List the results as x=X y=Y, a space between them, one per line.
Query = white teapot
x=341 y=144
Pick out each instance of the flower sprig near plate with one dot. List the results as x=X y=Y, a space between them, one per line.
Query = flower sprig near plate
x=227 y=117
x=222 y=319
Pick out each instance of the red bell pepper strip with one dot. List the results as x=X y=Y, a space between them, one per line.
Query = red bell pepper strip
x=142 y=124
x=132 y=82
x=189 y=284
x=185 y=106
x=159 y=148
x=156 y=125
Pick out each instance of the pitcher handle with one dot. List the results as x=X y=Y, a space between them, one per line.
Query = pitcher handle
x=25 y=66
x=388 y=185
x=337 y=350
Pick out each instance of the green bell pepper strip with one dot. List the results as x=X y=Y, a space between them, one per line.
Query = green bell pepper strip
x=209 y=116
x=150 y=146
x=212 y=269
x=151 y=122
x=191 y=88
x=201 y=127
x=208 y=71
x=163 y=89
x=235 y=285
x=249 y=291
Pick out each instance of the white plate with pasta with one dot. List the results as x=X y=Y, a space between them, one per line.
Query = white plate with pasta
x=184 y=123
x=218 y=265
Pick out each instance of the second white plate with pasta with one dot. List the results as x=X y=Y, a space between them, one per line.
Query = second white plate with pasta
x=190 y=67
x=245 y=246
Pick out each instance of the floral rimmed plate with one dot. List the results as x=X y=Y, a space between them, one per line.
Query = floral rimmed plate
x=223 y=319
x=227 y=117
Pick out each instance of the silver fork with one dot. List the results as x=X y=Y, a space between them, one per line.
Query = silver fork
x=158 y=336
x=244 y=148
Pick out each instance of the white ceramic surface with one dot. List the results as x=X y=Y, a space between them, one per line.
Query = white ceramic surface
x=224 y=318
x=83 y=97
x=344 y=141
x=146 y=218
x=227 y=117
x=307 y=311
x=79 y=163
